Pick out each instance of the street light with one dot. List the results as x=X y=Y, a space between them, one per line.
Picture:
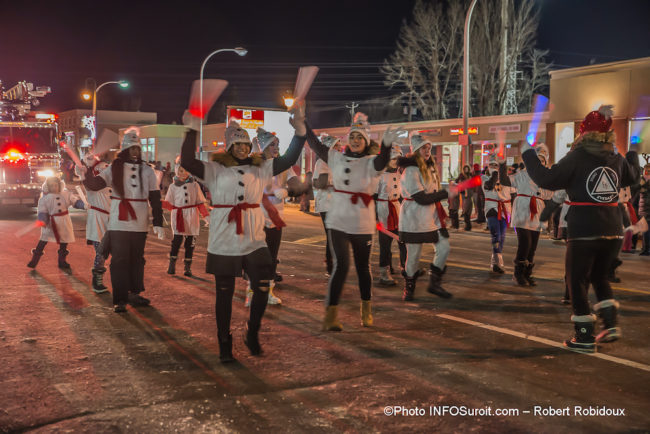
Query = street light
x=86 y=95
x=239 y=50
x=288 y=99
x=466 y=88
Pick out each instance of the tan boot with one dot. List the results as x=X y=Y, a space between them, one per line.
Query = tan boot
x=366 y=313
x=331 y=323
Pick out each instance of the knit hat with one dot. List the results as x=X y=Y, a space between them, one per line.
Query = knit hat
x=476 y=167
x=130 y=138
x=417 y=141
x=493 y=159
x=360 y=125
x=265 y=138
x=236 y=134
x=46 y=190
x=330 y=141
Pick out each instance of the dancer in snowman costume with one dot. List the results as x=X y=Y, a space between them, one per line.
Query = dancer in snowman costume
x=497 y=211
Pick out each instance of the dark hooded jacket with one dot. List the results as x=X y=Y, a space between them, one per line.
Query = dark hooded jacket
x=592 y=174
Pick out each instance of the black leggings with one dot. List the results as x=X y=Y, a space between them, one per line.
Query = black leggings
x=176 y=245
x=526 y=245
x=127 y=263
x=328 y=252
x=225 y=288
x=385 y=253
x=361 y=245
x=41 y=245
x=589 y=261
x=273 y=240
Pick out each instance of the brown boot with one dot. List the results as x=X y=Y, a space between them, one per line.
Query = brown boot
x=366 y=313
x=331 y=322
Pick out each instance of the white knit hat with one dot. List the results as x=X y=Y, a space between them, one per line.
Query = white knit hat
x=236 y=134
x=417 y=141
x=360 y=125
x=46 y=190
x=330 y=141
x=265 y=138
x=130 y=138
x=492 y=159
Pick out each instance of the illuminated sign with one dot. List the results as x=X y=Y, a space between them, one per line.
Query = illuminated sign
x=507 y=128
x=431 y=132
x=459 y=131
x=249 y=119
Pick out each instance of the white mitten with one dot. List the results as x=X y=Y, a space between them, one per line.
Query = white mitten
x=297 y=121
x=392 y=135
x=191 y=121
x=158 y=230
x=281 y=193
x=525 y=147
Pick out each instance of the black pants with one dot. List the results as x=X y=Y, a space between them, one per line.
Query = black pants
x=526 y=245
x=479 y=198
x=328 y=252
x=127 y=264
x=453 y=215
x=257 y=266
x=385 y=253
x=41 y=246
x=361 y=246
x=176 y=245
x=467 y=212
x=273 y=240
x=589 y=261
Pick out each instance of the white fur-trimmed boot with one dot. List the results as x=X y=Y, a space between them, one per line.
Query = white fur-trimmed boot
x=607 y=311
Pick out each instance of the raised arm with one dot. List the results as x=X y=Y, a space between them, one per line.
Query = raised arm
x=491 y=182
x=554 y=178
x=188 y=160
x=321 y=150
x=504 y=178
x=92 y=182
x=284 y=162
x=382 y=159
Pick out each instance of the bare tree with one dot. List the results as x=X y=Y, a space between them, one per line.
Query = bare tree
x=506 y=70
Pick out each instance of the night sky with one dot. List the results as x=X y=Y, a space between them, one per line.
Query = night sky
x=159 y=47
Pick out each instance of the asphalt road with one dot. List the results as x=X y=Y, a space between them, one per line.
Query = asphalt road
x=488 y=360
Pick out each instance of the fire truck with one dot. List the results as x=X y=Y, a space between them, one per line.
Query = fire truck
x=29 y=147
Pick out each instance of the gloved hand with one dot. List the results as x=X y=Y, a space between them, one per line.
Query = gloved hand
x=158 y=230
x=297 y=121
x=392 y=135
x=281 y=193
x=191 y=121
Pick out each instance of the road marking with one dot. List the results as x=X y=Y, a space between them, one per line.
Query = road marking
x=310 y=240
x=544 y=341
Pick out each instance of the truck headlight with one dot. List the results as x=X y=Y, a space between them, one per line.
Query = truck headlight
x=45 y=173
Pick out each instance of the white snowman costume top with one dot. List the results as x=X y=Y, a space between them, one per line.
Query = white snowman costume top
x=561 y=196
x=99 y=205
x=525 y=215
x=53 y=211
x=139 y=180
x=413 y=216
x=276 y=192
x=389 y=192
x=498 y=198
x=322 y=196
x=186 y=199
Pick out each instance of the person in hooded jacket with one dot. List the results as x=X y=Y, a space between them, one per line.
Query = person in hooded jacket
x=237 y=242
x=135 y=187
x=592 y=174
x=422 y=218
x=388 y=206
x=186 y=202
x=351 y=218
x=55 y=222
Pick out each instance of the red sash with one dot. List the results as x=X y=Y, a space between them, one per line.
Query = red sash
x=126 y=211
x=235 y=213
x=532 y=205
x=365 y=198
x=501 y=208
x=180 y=220
x=99 y=209
x=393 y=218
x=272 y=212
x=55 y=231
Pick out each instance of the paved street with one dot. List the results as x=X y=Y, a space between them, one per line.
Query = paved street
x=71 y=364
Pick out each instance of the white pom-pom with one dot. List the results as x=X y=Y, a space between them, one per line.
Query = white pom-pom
x=607 y=110
x=360 y=119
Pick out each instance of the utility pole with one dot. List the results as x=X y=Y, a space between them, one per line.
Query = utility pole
x=503 y=67
x=353 y=105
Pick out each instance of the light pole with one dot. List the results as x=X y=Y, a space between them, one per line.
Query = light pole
x=122 y=83
x=466 y=88
x=239 y=50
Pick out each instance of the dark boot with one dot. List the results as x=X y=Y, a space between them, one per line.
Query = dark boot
x=409 y=286
x=138 y=300
x=611 y=276
x=583 y=341
x=528 y=274
x=225 y=350
x=62 y=262
x=518 y=275
x=251 y=339
x=435 y=278
x=188 y=268
x=468 y=223
x=98 y=280
x=607 y=311
x=172 y=265
x=36 y=256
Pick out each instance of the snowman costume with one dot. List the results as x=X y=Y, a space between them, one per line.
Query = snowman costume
x=497 y=211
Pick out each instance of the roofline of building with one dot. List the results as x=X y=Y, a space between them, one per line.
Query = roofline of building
x=600 y=68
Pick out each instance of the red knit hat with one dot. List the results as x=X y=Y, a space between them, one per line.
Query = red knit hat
x=476 y=167
x=599 y=121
